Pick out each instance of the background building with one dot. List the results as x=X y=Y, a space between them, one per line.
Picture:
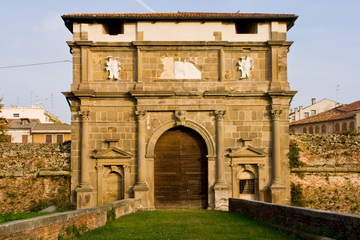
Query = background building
x=313 y=109
x=179 y=110
x=345 y=118
x=34 y=124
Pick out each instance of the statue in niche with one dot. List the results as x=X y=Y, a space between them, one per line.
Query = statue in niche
x=113 y=67
x=245 y=66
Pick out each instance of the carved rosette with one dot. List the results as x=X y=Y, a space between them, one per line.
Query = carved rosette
x=180 y=117
x=219 y=114
x=276 y=114
x=84 y=115
x=140 y=115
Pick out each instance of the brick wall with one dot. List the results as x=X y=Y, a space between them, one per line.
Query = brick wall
x=303 y=219
x=54 y=225
x=33 y=174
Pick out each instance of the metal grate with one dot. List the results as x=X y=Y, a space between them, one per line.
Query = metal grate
x=247 y=186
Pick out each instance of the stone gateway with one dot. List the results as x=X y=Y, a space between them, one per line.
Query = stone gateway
x=179 y=110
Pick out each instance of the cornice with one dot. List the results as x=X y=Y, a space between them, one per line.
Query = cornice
x=152 y=93
x=281 y=93
x=279 y=43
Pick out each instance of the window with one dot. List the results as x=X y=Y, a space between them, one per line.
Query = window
x=337 y=127
x=311 y=130
x=323 y=129
x=48 y=138
x=113 y=28
x=246 y=27
x=24 y=138
x=304 y=130
x=313 y=112
x=247 y=186
x=352 y=126
x=59 y=138
x=317 y=130
x=16 y=115
x=306 y=114
x=344 y=127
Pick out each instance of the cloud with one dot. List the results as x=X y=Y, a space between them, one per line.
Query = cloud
x=145 y=5
x=51 y=23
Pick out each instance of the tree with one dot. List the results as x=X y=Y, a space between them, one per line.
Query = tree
x=3 y=128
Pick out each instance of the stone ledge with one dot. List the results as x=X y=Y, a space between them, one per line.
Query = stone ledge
x=340 y=223
x=327 y=169
x=54 y=173
x=31 y=224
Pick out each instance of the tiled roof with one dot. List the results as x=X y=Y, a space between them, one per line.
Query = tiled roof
x=178 y=15
x=51 y=127
x=342 y=112
x=18 y=124
x=86 y=17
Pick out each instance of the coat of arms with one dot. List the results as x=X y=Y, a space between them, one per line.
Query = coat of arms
x=245 y=65
x=113 y=67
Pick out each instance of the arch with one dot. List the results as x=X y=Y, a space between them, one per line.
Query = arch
x=189 y=124
x=323 y=129
x=180 y=170
x=317 y=130
x=311 y=131
x=246 y=175
x=344 y=127
x=113 y=182
x=304 y=130
x=352 y=126
x=337 y=128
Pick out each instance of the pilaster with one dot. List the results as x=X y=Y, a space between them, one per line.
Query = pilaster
x=277 y=187
x=141 y=188
x=220 y=188
x=84 y=189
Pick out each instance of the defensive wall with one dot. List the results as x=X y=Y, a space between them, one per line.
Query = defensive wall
x=341 y=225
x=66 y=223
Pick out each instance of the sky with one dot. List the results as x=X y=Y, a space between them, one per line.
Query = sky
x=323 y=61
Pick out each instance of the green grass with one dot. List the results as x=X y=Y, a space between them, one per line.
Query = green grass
x=8 y=217
x=185 y=224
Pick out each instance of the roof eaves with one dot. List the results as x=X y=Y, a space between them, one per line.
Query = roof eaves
x=90 y=17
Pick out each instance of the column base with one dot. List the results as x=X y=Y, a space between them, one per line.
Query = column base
x=83 y=196
x=140 y=195
x=221 y=196
x=277 y=193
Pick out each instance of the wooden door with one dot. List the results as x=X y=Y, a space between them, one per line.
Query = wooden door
x=181 y=170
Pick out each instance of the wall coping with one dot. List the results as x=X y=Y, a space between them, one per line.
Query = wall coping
x=346 y=223
x=327 y=169
x=47 y=220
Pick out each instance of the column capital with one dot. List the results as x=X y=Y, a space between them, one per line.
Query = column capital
x=99 y=167
x=140 y=115
x=276 y=113
x=84 y=115
x=219 y=114
x=127 y=168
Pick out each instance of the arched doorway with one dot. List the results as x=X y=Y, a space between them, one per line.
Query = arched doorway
x=180 y=170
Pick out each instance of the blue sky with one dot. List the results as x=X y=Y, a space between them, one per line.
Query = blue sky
x=323 y=58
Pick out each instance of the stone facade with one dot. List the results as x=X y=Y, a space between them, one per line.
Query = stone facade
x=190 y=82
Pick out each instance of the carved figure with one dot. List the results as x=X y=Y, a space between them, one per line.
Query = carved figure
x=245 y=65
x=113 y=67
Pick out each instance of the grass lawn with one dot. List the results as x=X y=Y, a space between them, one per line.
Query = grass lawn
x=185 y=224
x=8 y=217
